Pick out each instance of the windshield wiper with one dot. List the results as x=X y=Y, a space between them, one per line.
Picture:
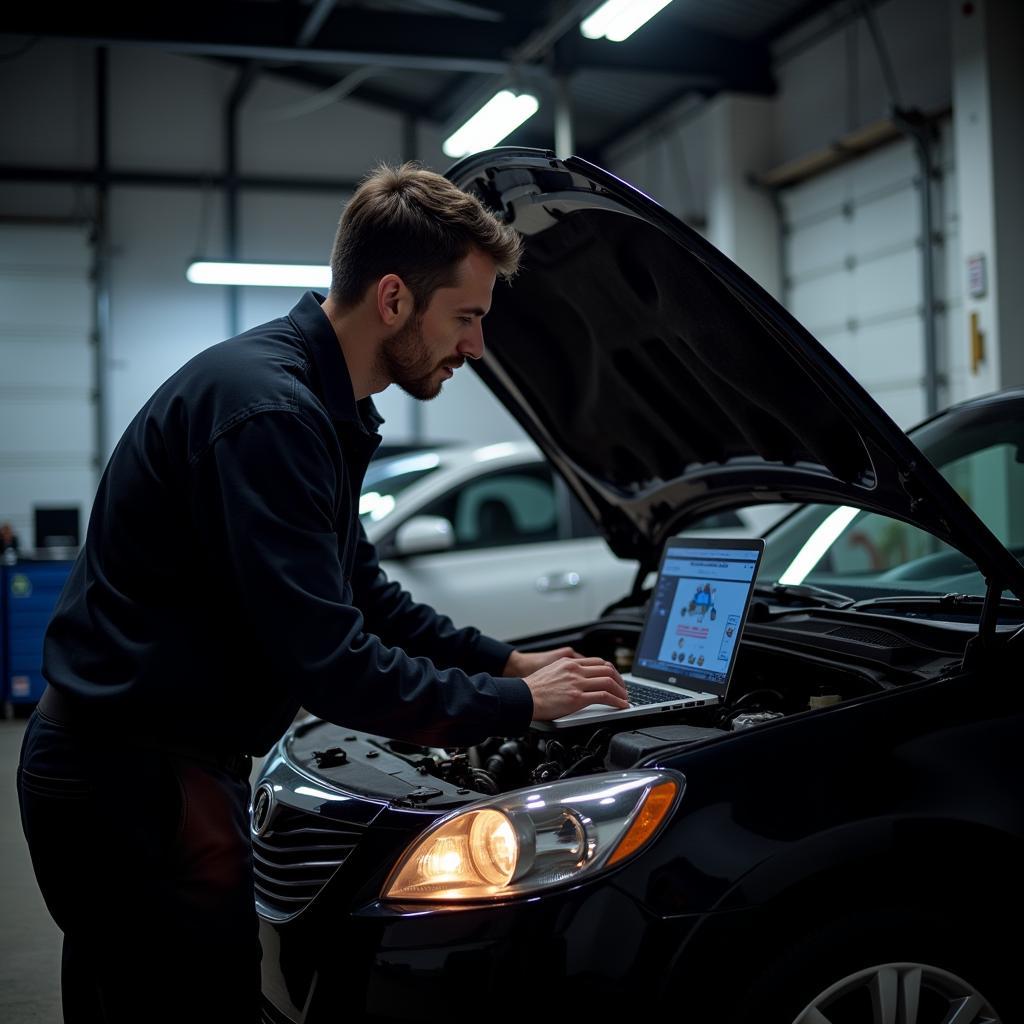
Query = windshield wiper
x=947 y=602
x=805 y=592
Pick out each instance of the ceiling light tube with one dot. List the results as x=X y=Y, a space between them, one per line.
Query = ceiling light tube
x=267 y=275
x=501 y=115
x=617 y=20
x=817 y=544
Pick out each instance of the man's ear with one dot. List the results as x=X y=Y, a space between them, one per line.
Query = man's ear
x=394 y=300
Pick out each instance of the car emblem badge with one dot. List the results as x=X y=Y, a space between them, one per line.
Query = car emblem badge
x=262 y=807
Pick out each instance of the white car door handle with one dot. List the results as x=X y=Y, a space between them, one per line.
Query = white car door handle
x=558 y=581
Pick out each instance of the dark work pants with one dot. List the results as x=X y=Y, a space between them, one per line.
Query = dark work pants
x=145 y=863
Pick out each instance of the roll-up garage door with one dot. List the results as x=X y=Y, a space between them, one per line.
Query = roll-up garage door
x=47 y=396
x=853 y=271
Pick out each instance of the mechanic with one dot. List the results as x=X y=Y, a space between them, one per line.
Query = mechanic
x=226 y=581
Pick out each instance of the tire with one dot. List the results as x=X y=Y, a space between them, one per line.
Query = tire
x=845 y=972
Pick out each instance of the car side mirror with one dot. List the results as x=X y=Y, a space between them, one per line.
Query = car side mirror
x=424 y=535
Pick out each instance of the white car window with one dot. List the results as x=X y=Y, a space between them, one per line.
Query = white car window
x=515 y=506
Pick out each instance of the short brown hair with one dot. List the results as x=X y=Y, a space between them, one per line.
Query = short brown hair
x=414 y=223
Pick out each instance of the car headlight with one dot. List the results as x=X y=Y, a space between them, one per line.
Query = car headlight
x=532 y=839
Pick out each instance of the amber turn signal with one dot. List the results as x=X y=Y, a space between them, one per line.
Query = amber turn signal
x=656 y=805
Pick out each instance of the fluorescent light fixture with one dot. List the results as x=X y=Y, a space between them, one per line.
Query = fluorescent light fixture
x=501 y=115
x=818 y=543
x=495 y=451
x=619 y=19
x=268 y=275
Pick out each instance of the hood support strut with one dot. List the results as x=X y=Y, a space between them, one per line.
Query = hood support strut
x=978 y=647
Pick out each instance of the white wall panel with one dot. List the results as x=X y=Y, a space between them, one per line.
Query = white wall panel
x=821 y=245
x=281 y=135
x=56 y=359
x=159 y=320
x=887 y=355
x=47 y=409
x=45 y=420
x=47 y=114
x=887 y=285
x=166 y=111
x=466 y=411
x=290 y=227
x=823 y=304
x=884 y=221
x=34 y=293
x=836 y=85
x=853 y=256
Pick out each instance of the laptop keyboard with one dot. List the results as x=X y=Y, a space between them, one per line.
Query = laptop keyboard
x=639 y=694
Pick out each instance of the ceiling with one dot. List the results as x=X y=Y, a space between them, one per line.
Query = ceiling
x=438 y=60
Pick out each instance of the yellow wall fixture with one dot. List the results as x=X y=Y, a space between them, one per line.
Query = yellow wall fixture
x=977 y=343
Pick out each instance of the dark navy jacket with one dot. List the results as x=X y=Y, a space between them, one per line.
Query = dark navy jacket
x=226 y=580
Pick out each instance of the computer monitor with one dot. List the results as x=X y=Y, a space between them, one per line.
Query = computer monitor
x=57 y=527
x=697 y=612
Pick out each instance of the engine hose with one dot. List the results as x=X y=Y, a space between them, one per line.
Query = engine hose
x=484 y=780
x=583 y=761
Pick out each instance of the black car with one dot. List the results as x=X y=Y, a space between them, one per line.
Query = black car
x=841 y=840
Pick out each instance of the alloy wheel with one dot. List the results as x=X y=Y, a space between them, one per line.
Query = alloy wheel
x=899 y=993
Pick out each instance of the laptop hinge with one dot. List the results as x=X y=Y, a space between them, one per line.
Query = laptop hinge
x=984 y=644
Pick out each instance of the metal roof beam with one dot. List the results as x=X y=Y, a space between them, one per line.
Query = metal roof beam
x=732 y=64
x=364 y=93
x=258 y=32
x=424 y=42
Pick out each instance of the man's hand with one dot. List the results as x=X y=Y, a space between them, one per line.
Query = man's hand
x=568 y=683
x=521 y=663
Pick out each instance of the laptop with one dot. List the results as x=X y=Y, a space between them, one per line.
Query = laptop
x=690 y=634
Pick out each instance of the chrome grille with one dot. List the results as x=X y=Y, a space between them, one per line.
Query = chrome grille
x=297 y=854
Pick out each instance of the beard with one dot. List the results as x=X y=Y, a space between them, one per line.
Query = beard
x=405 y=359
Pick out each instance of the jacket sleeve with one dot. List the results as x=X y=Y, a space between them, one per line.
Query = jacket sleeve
x=397 y=619
x=265 y=494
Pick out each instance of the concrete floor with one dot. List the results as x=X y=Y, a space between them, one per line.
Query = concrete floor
x=30 y=942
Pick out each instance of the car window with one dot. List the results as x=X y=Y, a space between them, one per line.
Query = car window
x=387 y=479
x=515 y=506
x=842 y=548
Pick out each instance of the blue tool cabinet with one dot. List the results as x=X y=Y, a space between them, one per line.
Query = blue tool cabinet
x=31 y=590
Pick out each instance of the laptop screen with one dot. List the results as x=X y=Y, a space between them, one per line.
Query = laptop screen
x=697 y=611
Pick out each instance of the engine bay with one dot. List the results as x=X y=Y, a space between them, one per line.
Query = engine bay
x=788 y=664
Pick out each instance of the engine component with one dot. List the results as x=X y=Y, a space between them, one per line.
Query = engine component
x=509 y=765
x=751 y=718
x=823 y=700
x=330 y=758
x=627 y=748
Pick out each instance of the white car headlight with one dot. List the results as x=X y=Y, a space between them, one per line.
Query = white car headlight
x=532 y=839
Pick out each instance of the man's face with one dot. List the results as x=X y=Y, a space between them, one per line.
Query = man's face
x=427 y=349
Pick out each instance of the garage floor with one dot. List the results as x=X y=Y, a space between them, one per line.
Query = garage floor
x=29 y=940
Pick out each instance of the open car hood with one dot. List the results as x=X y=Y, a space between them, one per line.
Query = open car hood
x=663 y=383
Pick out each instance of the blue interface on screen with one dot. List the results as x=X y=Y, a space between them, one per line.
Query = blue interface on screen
x=697 y=608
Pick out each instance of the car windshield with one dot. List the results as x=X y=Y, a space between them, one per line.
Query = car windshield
x=864 y=554
x=388 y=478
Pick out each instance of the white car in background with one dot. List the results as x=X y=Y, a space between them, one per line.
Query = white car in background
x=491 y=538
